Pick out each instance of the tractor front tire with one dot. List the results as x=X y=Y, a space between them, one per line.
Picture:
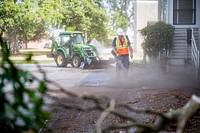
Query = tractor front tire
x=61 y=60
x=76 y=62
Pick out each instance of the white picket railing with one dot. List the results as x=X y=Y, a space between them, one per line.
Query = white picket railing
x=195 y=54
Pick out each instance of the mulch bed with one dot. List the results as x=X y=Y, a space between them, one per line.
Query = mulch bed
x=163 y=100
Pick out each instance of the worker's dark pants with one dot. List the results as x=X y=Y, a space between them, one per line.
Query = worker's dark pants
x=124 y=59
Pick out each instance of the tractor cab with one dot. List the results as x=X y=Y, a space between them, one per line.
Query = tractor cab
x=71 y=38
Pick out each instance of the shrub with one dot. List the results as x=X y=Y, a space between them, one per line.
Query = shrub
x=21 y=108
x=157 y=39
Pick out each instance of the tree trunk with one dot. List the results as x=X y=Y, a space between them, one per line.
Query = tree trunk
x=13 y=43
x=25 y=43
x=85 y=37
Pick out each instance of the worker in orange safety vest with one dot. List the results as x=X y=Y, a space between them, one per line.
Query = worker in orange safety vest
x=121 y=47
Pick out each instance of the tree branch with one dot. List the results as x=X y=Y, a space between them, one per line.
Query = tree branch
x=108 y=106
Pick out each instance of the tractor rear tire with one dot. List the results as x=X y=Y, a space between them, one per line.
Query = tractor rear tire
x=76 y=62
x=61 y=61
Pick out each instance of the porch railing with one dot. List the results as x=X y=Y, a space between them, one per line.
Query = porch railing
x=195 y=54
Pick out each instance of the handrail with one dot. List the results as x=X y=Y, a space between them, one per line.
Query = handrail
x=195 y=53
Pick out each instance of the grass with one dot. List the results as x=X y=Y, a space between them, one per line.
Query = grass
x=35 y=52
x=38 y=56
x=32 y=61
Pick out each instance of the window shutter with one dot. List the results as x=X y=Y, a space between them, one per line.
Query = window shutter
x=184 y=12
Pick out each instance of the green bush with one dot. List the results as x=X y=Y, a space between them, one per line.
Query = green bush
x=157 y=39
x=21 y=107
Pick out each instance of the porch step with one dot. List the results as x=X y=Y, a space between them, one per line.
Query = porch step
x=181 y=51
x=176 y=61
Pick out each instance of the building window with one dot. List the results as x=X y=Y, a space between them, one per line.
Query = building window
x=184 y=12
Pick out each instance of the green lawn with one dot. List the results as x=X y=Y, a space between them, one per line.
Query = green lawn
x=38 y=56
x=34 y=51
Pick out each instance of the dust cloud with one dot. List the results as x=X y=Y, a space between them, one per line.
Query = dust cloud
x=147 y=76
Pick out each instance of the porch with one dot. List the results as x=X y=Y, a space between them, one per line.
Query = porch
x=185 y=49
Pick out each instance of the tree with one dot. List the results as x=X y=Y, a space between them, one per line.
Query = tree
x=28 y=20
x=121 y=12
x=85 y=15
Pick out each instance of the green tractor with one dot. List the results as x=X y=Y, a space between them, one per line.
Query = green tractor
x=71 y=49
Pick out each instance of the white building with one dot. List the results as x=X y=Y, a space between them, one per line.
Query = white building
x=182 y=14
x=146 y=11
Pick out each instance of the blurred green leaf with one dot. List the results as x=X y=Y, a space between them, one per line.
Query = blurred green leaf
x=21 y=108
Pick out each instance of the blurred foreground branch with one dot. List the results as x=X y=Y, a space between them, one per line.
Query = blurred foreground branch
x=109 y=106
x=21 y=107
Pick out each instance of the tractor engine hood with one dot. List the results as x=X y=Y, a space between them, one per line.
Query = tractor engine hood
x=84 y=46
x=88 y=51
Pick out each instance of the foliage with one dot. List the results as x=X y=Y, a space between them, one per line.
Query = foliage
x=157 y=39
x=87 y=16
x=21 y=107
x=122 y=13
x=28 y=20
x=31 y=20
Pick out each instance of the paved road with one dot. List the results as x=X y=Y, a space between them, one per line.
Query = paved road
x=72 y=76
x=140 y=76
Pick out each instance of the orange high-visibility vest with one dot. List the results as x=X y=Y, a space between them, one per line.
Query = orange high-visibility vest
x=121 y=49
